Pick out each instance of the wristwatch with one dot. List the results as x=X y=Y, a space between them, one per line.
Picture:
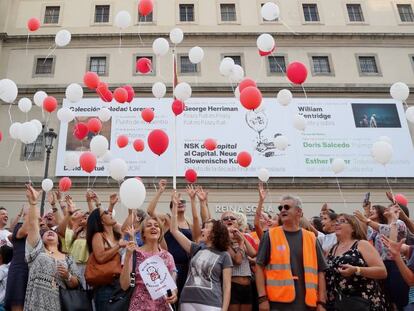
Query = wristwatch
x=358 y=271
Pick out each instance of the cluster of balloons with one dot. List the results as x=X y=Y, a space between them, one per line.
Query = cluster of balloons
x=229 y=69
x=26 y=132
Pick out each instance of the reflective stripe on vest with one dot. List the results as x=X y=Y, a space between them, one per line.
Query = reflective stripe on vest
x=280 y=285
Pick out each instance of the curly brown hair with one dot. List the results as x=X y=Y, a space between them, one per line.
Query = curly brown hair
x=219 y=235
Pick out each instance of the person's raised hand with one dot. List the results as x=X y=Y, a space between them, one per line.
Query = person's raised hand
x=360 y=216
x=191 y=192
x=113 y=199
x=51 y=198
x=131 y=232
x=122 y=243
x=162 y=185
x=32 y=194
x=201 y=194
x=130 y=247
x=262 y=193
x=393 y=247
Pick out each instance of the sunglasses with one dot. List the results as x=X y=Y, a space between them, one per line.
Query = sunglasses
x=285 y=207
x=229 y=218
x=182 y=201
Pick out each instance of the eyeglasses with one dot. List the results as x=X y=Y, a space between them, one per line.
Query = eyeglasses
x=229 y=218
x=182 y=201
x=341 y=222
x=285 y=207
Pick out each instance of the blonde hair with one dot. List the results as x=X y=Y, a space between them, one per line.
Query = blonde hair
x=144 y=224
x=241 y=221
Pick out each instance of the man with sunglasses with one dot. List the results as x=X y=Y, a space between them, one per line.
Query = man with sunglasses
x=290 y=264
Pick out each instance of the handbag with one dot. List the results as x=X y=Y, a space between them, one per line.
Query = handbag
x=76 y=299
x=120 y=299
x=97 y=274
x=351 y=302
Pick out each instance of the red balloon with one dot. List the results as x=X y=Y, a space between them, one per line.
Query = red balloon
x=145 y=7
x=122 y=141
x=191 y=175
x=262 y=53
x=144 y=65
x=87 y=161
x=33 y=24
x=139 y=145
x=158 y=141
x=177 y=107
x=80 y=130
x=94 y=125
x=50 y=104
x=131 y=93
x=210 y=144
x=244 y=159
x=245 y=83
x=296 y=72
x=401 y=199
x=104 y=93
x=91 y=80
x=147 y=115
x=65 y=183
x=121 y=95
x=251 y=97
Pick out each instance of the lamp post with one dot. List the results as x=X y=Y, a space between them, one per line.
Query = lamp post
x=50 y=135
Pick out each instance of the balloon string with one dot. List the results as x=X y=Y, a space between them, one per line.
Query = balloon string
x=139 y=34
x=289 y=28
x=27 y=159
x=231 y=85
x=270 y=194
x=306 y=95
x=156 y=174
x=94 y=180
x=386 y=178
x=340 y=191
x=10 y=116
x=405 y=103
x=10 y=155
x=27 y=41
x=49 y=54
x=88 y=180
x=120 y=42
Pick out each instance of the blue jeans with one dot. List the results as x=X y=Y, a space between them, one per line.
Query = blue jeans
x=102 y=296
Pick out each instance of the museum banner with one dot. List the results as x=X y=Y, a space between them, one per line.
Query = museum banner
x=336 y=128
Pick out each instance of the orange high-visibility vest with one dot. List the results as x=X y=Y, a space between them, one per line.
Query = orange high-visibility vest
x=280 y=285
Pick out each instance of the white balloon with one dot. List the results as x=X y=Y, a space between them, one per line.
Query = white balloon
x=265 y=42
x=399 y=91
x=270 y=11
x=71 y=160
x=409 y=113
x=15 y=130
x=65 y=115
x=176 y=36
x=132 y=193
x=182 y=91
x=28 y=133
x=196 y=55
x=38 y=125
x=338 y=165
x=281 y=142
x=63 y=38
x=25 y=104
x=382 y=152
x=237 y=93
x=284 y=97
x=122 y=19
x=8 y=91
x=226 y=66
x=74 y=92
x=107 y=156
x=99 y=145
x=160 y=46
x=104 y=114
x=47 y=185
x=118 y=169
x=237 y=74
x=159 y=89
x=386 y=139
x=263 y=175
x=299 y=122
x=39 y=97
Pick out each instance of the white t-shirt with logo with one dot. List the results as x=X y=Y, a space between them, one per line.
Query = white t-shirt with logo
x=4 y=234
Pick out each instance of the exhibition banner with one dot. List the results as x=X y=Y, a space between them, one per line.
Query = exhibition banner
x=335 y=128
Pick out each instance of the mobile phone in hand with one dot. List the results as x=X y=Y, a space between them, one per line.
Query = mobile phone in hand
x=390 y=197
x=366 y=198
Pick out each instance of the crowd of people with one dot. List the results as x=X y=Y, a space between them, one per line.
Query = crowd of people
x=358 y=261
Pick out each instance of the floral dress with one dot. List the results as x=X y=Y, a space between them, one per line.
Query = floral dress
x=141 y=298
x=355 y=285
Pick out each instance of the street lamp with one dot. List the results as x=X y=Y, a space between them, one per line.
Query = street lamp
x=50 y=135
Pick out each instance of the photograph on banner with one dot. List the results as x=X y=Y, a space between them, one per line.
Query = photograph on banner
x=72 y=143
x=156 y=277
x=330 y=128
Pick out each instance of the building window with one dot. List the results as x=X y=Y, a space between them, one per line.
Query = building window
x=186 y=12
x=34 y=151
x=310 y=11
x=406 y=13
x=102 y=13
x=228 y=12
x=186 y=66
x=98 y=65
x=145 y=19
x=355 y=12
x=368 y=64
x=44 y=66
x=151 y=58
x=321 y=65
x=277 y=64
x=236 y=58
x=51 y=15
